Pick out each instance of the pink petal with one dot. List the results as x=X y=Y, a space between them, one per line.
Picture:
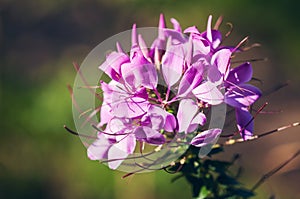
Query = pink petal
x=160 y=119
x=149 y=135
x=214 y=75
x=186 y=112
x=139 y=74
x=208 y=28
x=192 y=29
x=172 y=63
x=222 y=60
x=191 y=78
x=176 y=25
x=105 y=114
x=130 y=107
x=209 y=136
x=98 y=150
x=170 y=123
x=216 y=38
x=199 y=119
x=208 y=92
x=112 y=65
x=161 y=26
x=143 y=46
x=120 y=150
x=116 y=125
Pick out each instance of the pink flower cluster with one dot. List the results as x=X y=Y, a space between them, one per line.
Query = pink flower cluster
x=196 y=74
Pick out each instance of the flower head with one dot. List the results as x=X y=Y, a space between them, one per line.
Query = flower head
x=159 y=95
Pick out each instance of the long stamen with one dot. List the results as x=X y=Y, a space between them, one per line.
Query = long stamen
x=230 y=29
x=240 y=44
x=78 y=134
x=73 y=99
x=113 y=134
x=249 y=60
x=247 y=124
x=218 y=23
x=279 y=129
x=89 y=117
x=250 y=47
x=254 y=137
x=77 y=68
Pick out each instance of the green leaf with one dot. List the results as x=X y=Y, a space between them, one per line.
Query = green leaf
x=203 y=193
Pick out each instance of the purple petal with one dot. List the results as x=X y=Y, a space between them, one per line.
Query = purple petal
x=191 y=79
x=177 y=37
x=130 y=107
x=141 y=92
x=140 y=73
x=159 y=42
x=188 y=52
x=112 y=65
x=200 y=118
x=216 y=38
x=105 y=114
x=222 y=60
x=214 y=75
x=206 y=137
x=161 y=26
x=119 y=48
x=240 y=74
x=98 y=150
x=200 y=45
x=176 y=25
x=143 y=46
x=116 y=125
x=208 y=92
x=192 y=29
x=112 y=91
x=122 y=103
x=186 y=111
x=208 y=29
x=158 y=119
x=170 y=123
x=172 y=64
x=111 y=95
x=242 y=96
x=120 y=150
x=243 y=118
x=134 y=36
x=149 y=135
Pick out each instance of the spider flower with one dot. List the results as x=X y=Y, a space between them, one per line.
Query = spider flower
x=196 y=73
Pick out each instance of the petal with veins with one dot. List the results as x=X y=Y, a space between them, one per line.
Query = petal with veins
x=172 y=63
x=240 y=74
x=186 y=111
x=243 y=118
x=242 y=96
x=149 y=135
x=209 y=136
x=209 y=93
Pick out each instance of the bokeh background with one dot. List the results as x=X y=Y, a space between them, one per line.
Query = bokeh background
x=39 y=40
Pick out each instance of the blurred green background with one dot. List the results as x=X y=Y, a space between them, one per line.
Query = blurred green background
x=39 y=40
